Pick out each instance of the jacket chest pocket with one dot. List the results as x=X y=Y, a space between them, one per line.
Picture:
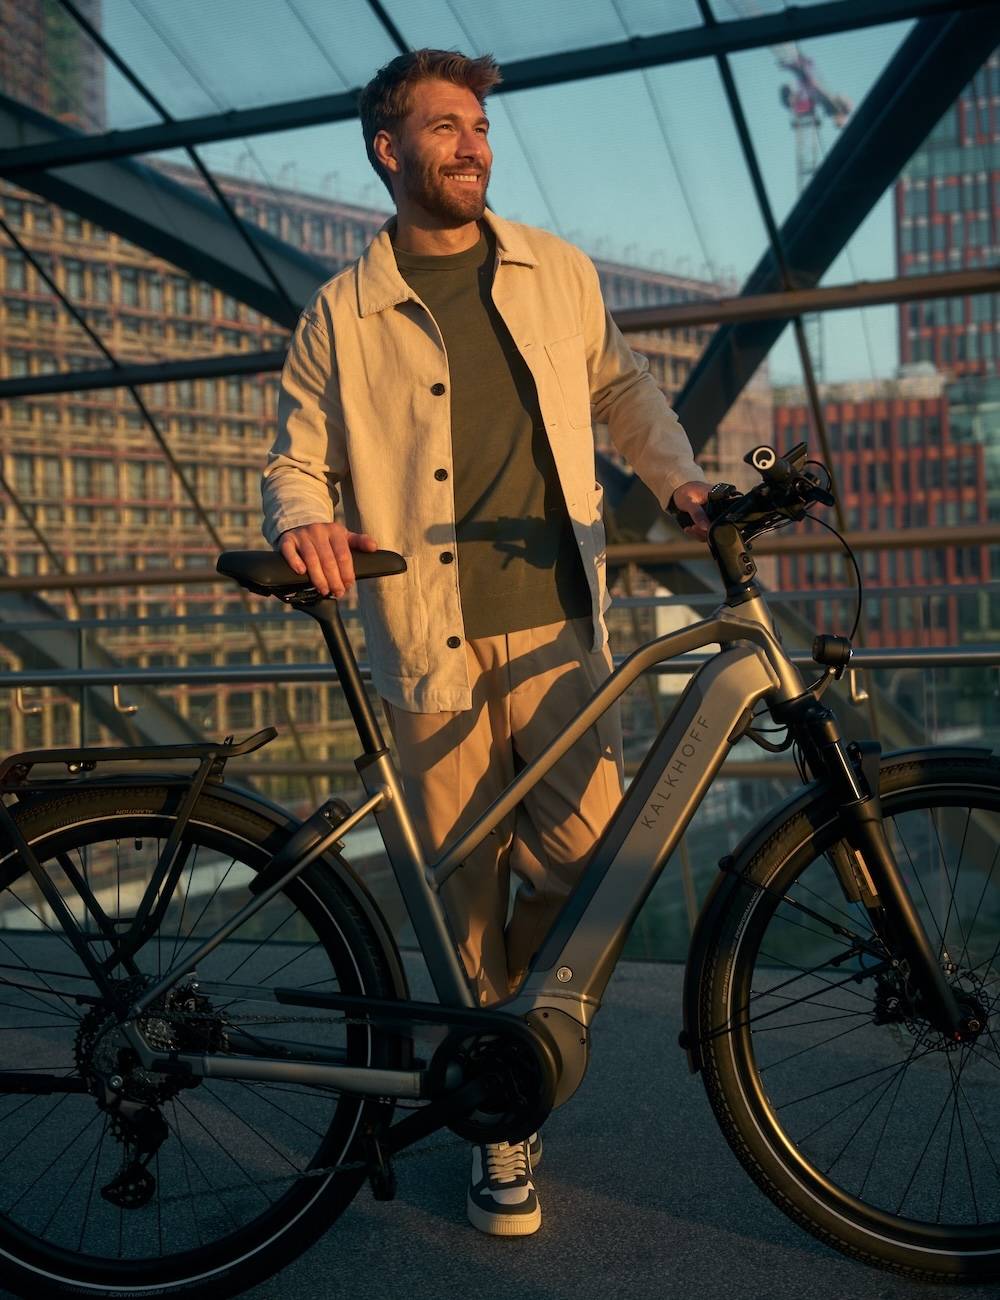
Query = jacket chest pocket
x=569 y=361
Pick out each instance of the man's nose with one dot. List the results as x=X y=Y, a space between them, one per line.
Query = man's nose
x=471 y=145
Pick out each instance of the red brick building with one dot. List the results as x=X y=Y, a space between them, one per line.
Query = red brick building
x=900 y=463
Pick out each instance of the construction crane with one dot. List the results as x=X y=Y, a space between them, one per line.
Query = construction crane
x=808 y=101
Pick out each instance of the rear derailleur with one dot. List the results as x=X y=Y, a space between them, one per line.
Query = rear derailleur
x=141 y=1130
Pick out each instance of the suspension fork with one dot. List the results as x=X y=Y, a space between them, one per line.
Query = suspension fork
x=872 y=875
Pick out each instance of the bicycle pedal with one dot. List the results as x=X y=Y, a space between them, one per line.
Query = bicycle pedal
x=381 y=1173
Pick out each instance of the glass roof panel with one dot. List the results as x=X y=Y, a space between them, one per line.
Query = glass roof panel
x=617 y=165
x=199 y=58
x=521 y=29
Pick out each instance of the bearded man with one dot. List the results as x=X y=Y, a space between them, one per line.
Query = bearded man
x=446 y=384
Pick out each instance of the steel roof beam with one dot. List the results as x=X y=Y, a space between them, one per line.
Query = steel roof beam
x=710 y=311
x=158 y=372
x=787 y=25
x=929 y=70
x=172 y=221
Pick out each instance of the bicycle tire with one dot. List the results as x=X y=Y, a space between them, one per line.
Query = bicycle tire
x=847 y=1109
x=230 y=1205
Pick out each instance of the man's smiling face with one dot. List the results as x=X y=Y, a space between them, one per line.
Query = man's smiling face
x=443 y=153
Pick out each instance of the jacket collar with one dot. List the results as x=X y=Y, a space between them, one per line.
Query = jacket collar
x=380 y=285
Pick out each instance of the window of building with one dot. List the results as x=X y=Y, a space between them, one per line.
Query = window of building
x=15 y=275
x=74 y=279
x=128 y=280
x=101 y=284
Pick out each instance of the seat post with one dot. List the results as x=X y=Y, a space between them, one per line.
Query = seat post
x=327 y=615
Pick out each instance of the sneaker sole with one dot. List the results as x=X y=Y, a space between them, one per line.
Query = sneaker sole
x=503 y=1225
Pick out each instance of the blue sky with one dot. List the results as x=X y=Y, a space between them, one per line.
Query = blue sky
x=642 y=167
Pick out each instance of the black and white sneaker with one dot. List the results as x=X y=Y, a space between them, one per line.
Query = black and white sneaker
x=535 y=1151
x=502 y=1199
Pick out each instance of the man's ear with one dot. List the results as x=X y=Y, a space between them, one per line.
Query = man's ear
x=384 y=148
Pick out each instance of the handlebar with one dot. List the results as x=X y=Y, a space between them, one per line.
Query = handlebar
x=787 y=489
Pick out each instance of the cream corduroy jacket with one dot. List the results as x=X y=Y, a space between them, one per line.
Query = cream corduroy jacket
x=364 y=418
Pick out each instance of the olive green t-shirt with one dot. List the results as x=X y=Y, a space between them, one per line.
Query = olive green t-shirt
x=518 y=562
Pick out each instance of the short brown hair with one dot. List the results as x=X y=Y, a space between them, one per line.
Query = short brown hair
x=385 y=101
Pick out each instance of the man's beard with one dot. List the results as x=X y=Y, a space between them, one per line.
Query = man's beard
x=442 y=199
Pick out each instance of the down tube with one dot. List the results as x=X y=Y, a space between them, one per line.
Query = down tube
x=590 y=932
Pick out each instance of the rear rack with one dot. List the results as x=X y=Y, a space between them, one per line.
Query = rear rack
x=15 y=769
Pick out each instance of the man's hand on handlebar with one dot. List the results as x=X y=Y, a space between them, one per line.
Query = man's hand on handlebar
x=324 y=552
x=687 y=504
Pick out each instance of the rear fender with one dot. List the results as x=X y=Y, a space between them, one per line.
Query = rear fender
x=348 y=878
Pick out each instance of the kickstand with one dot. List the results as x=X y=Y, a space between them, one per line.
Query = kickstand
x=381 y=1173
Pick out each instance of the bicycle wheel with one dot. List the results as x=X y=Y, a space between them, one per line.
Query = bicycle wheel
x=858 y=1119
x=231 y=1198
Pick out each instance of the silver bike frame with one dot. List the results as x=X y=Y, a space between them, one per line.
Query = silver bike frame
x=566 y=979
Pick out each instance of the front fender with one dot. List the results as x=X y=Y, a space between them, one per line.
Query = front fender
x=733 y=866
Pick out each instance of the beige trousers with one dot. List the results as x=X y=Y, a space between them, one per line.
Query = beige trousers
x=526 y=686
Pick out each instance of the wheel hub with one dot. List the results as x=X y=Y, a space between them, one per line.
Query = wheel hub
x=895 y=1004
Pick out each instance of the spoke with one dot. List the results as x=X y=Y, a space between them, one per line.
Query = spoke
x=260 y=944
x=813 y=971
x=58 y=1156
x=960 y=1091
x=189 y=937
x=58 y=934
x=23 y=965
x=266 y=979
x=916 y=875
x=71 y=1182
x=794 y=1002
x=320 y=1133
x=952 y=885
x=90 y=1191
x=728 y=1028
x=982 y=1136
x=187 y=1178
x=255 y=1131
x=187 y=895
x=885 y=1122
x=811 y=1047
x=48 y=1115
x=35 y=1011
x=853 y=917
x=225 y=1150
x=846 y=1083
x=883 y=1090
x=975 y=915
x=926 y=1148
x=788 y=920
x=818 y=1020
x=197 y=1164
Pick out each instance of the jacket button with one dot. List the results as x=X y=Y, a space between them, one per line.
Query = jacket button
x=437 y=390
x=440 y=475
x=454 y=642
x=447 y=557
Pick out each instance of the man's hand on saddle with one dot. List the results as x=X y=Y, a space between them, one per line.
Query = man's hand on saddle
x=324 y=552
x=689 y=499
